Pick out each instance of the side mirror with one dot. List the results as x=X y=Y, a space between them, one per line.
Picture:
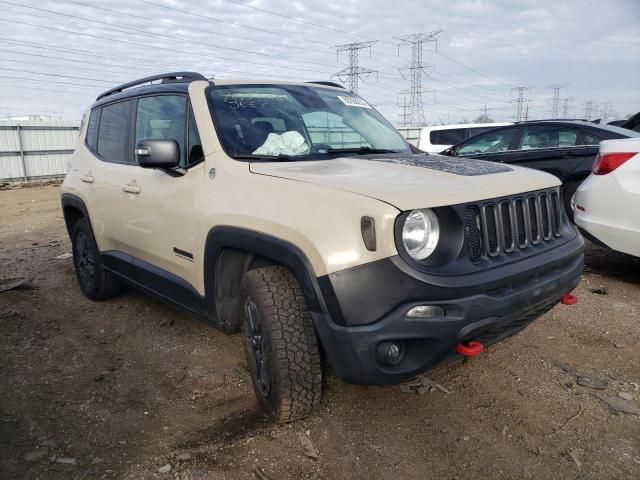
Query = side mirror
x=157 y=153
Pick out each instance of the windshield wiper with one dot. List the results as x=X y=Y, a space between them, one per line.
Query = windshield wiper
x=266 y=158
x=360 y=150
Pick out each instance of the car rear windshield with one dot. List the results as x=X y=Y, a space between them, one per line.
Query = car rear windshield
x=298 y=122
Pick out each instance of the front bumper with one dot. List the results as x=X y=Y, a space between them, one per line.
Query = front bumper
x=485 y=315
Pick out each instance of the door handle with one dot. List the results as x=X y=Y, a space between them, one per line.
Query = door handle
x=131 y=189
x=87 y=178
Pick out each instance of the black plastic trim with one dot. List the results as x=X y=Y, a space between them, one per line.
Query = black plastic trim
x=73 y=201
x=281 y=251
x=366 y=293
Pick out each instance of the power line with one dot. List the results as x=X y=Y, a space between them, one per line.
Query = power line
x=416 y=71
x=477 y=72
x=126 y=42
x=295 y=19
x=191 y=28
x=353 y=74
x=167 y=37
x=200 y=15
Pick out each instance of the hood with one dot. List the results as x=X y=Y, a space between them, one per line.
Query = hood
x=413 y=181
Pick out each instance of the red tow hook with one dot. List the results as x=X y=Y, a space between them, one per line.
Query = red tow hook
x=569 y=299
x=470 y=349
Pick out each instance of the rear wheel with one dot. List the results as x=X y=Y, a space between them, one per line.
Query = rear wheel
x=280 y=344
x=95 y=282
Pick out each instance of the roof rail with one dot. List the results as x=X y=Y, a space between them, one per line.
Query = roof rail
x=173 y=77
x=326 y=83
x=556 y=120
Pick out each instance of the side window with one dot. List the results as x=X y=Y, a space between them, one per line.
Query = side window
x=450 y=136
x=92 y=129
x=590 y=138
x=538 y=137
x=113 y=132
x=489 y=142
x=162 y=117
x=195 y=151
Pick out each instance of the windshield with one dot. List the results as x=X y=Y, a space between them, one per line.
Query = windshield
x=295 y=122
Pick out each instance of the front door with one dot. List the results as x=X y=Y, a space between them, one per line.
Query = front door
x=160 y=210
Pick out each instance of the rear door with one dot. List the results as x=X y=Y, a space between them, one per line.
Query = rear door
x=108 y=140
x=556 y=149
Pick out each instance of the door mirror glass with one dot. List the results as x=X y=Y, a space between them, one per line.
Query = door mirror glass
x=157 y=153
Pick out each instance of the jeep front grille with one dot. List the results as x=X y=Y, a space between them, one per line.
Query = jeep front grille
x=503 y=226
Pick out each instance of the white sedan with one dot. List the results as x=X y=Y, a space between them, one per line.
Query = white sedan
x=607 y=204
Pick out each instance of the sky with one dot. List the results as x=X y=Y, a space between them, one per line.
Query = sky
x=57 y=56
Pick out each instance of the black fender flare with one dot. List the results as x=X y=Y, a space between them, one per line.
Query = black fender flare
x=71 y=200
x=253 y=242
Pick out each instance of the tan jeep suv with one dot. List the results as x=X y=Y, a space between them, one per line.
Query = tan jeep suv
x=296 y=213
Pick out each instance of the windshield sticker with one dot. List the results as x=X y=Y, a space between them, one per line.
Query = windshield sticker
x=353 y=101
x=456 y=166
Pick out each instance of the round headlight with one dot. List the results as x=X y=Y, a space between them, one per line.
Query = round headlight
x=420 y=233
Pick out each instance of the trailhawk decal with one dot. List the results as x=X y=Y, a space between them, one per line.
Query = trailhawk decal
x=456 y=166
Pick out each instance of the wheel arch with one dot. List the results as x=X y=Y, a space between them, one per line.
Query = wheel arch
x=73 y=209
x=231 y=251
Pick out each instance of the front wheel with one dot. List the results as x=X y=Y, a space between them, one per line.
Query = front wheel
x=280 y=344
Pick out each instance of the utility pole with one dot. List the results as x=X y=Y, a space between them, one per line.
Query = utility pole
x=415 y=71
x=555 y=100
x=353 y=74
x=521 y=103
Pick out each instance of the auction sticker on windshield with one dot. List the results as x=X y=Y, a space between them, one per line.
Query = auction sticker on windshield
x=353 y=101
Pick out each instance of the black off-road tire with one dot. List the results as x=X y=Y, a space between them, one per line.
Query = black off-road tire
x=95 y=282
x=287 y=341
x=569 y=189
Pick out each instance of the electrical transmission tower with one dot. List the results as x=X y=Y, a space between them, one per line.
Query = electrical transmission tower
x=588 y=109
x=555 y=100
x=521 y=103
x=416 y=71
x=353 y=74
x=404 y=116
x=565 y=107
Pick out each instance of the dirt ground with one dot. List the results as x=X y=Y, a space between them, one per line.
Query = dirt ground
x=121 y=388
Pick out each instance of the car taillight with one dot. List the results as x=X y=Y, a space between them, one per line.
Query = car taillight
x=608 y=162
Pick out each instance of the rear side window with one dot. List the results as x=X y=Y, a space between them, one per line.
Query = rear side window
x=113 y=132
x=448 y=137
x=92 y=128
x=543 y=136
x=590 y=138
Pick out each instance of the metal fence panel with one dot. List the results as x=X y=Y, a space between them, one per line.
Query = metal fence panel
x=36 y=147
